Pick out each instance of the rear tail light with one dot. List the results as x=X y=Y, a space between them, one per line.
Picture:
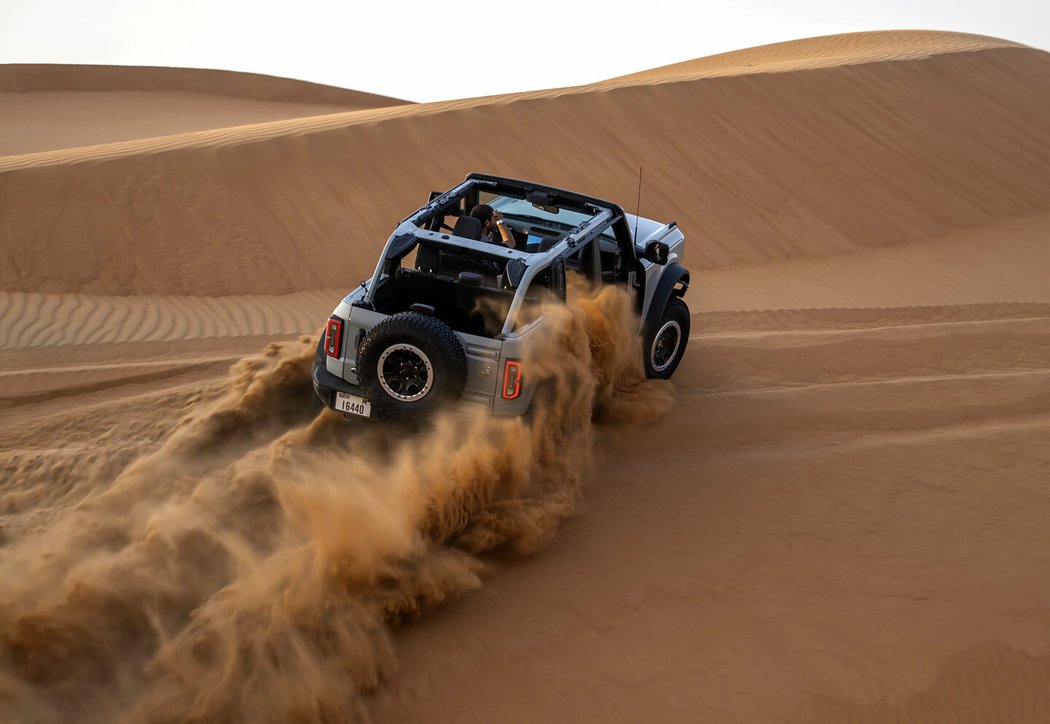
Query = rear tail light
x=333 y=337
x=511 y=380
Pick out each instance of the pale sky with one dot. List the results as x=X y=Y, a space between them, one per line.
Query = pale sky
x=434 y=50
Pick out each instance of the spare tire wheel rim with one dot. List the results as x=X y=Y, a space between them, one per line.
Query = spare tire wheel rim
x=665 y=346
x=405 y=372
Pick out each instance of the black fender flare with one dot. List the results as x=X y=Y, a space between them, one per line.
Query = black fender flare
x=673 y=274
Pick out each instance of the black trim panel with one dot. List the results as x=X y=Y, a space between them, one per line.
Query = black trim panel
x=665 y=289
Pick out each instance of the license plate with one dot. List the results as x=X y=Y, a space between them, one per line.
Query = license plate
x=353 y=404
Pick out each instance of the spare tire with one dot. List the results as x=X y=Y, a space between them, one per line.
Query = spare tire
x=410 y=364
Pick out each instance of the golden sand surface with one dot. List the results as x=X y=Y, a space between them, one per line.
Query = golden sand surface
x=837 y=511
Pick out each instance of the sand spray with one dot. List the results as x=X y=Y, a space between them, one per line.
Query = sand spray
x=254 y=566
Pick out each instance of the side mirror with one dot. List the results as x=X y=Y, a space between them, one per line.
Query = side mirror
x=657 y=252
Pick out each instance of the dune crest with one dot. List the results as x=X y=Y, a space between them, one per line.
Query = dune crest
x=114 y=104
x=822 y=52
x=25 y=78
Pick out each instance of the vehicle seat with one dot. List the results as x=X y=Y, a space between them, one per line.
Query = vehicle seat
x=468 y=227
x=452 y=264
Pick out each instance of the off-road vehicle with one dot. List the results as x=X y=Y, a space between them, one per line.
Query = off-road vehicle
x=447 y=314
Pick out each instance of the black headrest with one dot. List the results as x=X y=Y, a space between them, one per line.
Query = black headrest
x=468 y=227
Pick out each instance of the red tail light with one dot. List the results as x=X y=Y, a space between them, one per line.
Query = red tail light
x=333 y=337
x=511 y=380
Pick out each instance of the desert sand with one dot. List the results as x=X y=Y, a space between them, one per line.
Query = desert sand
x=835 y=513
x=48 y=107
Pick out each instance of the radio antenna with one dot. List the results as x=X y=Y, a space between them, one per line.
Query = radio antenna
x=638 y=205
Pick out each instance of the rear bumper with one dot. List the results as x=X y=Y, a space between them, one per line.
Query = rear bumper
x=326 y=384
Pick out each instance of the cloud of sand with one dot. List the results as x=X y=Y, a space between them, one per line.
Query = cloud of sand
x=252 y=567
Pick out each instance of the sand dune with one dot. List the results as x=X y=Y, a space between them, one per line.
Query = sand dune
x=24 y=78
x=113 y=103
x=831 y=50
x=841 y=517
x=906 y=149
x=39 y=121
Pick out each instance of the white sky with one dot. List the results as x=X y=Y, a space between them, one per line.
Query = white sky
x=435 y=50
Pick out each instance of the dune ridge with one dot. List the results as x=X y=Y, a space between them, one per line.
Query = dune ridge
x=33 y=123
x=27 y=77
x=114 y=104
x=796 y=55
x=828 y=50
x=799 y=55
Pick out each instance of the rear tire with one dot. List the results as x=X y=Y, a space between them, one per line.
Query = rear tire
x=665 y=345
x=410 y=364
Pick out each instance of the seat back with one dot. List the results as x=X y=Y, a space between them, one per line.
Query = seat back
x=452 y=264
x=468 y=227
x=427 y=259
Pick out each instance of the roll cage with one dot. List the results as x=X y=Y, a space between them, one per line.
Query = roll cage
x=520 y=267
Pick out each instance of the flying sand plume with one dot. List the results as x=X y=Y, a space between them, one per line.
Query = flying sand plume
x=251 y=568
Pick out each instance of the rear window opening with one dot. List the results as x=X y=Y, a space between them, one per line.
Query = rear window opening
x=470 y=293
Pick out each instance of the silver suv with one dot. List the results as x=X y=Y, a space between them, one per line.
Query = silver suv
x=447 y=314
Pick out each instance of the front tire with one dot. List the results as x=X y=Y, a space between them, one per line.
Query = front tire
x=410 y=364
x=665 y=345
